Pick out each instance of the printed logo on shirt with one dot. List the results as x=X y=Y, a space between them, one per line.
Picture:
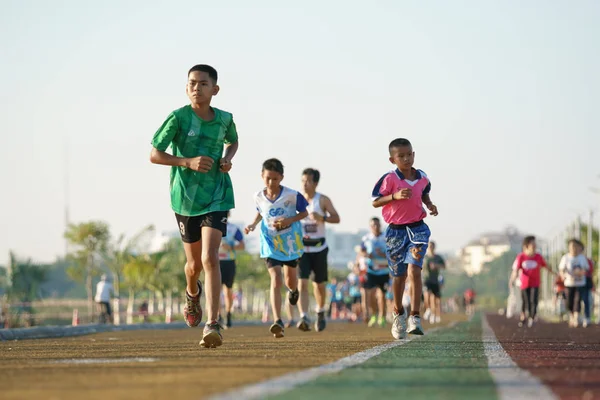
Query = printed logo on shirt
x=529 y=264
x=191 y=133
x=276 y=212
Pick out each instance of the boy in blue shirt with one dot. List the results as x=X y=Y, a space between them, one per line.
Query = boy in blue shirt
x=279 y=211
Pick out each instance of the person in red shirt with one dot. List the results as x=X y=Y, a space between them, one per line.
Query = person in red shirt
x=560 y=296
x=529 y=263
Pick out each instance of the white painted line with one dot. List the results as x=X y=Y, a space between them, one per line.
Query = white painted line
x=512 y=382
x=103 y=360
x=287 y=382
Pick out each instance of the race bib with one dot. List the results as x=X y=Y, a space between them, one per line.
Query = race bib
x=310 y=228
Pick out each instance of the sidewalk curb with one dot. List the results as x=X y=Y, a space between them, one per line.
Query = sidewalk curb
x=48 y=332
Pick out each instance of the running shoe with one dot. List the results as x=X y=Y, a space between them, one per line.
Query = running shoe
x=304 y=324
x=192 y=311
x=372 y=321
x=277 y=329
x=399 y=326
x=414 y=325
x=212 y=337
x=321 y=322
x=293 y=297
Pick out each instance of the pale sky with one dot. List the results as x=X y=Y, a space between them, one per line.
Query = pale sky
x=500 y=101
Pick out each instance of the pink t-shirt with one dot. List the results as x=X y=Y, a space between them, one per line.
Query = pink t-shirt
x=530 y=267
x=405 y=211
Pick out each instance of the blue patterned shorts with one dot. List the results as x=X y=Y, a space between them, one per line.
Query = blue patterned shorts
x=400 y=242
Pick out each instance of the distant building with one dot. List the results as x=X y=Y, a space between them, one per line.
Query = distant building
x=488 y=247
x=342 y=246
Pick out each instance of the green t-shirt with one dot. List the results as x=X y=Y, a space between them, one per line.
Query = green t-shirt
x=197 y=193
x=431 y=272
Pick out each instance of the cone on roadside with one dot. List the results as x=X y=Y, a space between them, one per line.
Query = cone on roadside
x=75 y=320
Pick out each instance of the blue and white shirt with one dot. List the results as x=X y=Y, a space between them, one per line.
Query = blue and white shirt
x=234 y=235
x=375 y=246
x=286 y=244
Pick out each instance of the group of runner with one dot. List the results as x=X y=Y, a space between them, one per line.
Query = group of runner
x=204 y=141
x=572 y=283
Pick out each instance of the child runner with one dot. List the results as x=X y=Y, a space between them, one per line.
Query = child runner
x=201 y=190
x=402 y=193
x=529 y=263
x=233 y=241
x=280 y=209
x=573 y=268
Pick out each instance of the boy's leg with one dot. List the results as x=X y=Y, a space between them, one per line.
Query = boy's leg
x=291 y=279
x=416 y=288
x=399 y=314
x=430 y=300
x=428 y=305
x=193 y=268
x=320 y=295
x=276 y=284
x=364 y=303
x=381 y=304
x=211 y=240
x=319 y=265
x=304 y=274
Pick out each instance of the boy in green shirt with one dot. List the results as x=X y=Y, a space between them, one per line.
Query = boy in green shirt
x=201 y=189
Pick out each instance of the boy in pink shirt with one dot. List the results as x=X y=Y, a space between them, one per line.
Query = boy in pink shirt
x=402 y=193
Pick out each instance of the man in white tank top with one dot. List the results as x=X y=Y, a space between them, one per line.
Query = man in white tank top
x=320 y=211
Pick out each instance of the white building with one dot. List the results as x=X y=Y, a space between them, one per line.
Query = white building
x=488 y=247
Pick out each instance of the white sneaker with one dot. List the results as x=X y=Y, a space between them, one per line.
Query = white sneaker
x=586 y=322
x=438 y=319
x=431 y=319
x=399 y=326
x=427 y=314
x=530 y=322
x=414 y=325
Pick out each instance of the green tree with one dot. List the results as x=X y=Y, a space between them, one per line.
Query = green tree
x=137 y=273
x=24 y=280
x=118 y=253
x=88 y=241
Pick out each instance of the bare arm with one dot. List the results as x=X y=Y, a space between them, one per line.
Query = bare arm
x=252 y=226
x=383 y=200
x=241 y=245
x=163 y=158
x=332 y=215
x=200 y=164
x=230 y=150
x=427 y=200
x=298 y=217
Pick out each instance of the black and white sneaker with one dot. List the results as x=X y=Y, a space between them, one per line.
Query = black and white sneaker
x=321 y=322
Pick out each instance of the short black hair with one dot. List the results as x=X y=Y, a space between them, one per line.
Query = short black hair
x=314 y=173
x=273 y=164
x=212 y=73
x=527 y=240
x=577 y=242
x=375 y=219
x=399 y=142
